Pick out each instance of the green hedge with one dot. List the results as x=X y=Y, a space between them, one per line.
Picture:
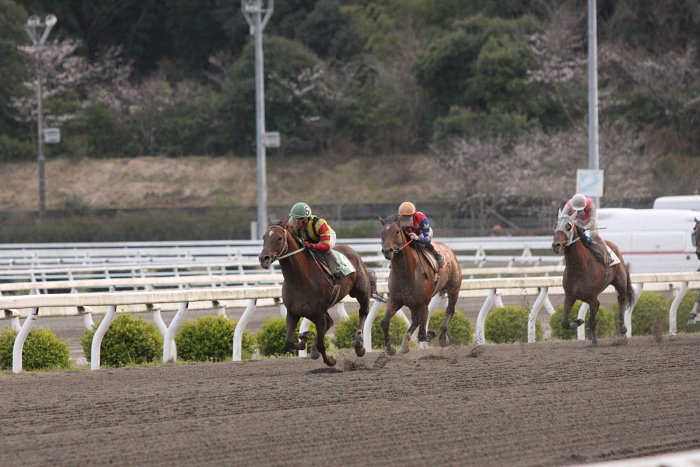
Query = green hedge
x=42 y=350
x=128 y=341
x=508 y=324
x=210 y=339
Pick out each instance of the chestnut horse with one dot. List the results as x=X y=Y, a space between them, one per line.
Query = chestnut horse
x=308 y=290
x=413 y=282
x=585 y=276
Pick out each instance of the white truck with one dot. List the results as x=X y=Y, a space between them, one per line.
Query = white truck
x=652 y=240
x=691 y=202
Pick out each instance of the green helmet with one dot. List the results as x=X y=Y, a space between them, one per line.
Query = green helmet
x=300 y=211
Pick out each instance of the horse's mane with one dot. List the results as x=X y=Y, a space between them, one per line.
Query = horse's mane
x=588 y=243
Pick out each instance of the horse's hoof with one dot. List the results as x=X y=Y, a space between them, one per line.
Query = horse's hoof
x=330 y=361
x=360 y=351
x=404 y=348
x=391 y=351
x=690 y=322
x=430 y=335
x=315 y=354
x=444 y=341
x=575 y=324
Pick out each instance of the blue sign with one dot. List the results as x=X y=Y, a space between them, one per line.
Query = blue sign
x=589 y=182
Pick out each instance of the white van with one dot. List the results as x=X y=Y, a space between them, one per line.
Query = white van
x=652 y=240
x=691 y=202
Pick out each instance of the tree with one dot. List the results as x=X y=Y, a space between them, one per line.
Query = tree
x=13 y=64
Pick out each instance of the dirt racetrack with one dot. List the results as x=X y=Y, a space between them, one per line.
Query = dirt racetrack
x=552 y=403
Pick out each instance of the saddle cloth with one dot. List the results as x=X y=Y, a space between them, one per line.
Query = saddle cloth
x=344 y=263
x=614 y=260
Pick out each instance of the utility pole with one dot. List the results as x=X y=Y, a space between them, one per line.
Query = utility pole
x=34 y=26
x=593 y=91
x=253 y=11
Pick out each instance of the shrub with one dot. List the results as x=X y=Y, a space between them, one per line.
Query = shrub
x=210 y=339
x=508 y=324
x=271 y=337
x=650 y=314
x=128 y=341
x=344 y=334
x=460 y=330
x=683 y=313
x=606 y=326
x=16 y=150
x=42 y=350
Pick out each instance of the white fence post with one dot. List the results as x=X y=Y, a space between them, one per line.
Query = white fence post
x=240 y=327
x=99 y=334
x=18 y=347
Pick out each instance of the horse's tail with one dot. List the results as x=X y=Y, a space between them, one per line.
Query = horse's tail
x=373 y=285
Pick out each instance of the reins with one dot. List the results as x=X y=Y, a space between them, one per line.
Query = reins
x=286 y=245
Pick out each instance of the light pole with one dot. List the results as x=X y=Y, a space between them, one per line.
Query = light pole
x=34 y=28
x=253 y=10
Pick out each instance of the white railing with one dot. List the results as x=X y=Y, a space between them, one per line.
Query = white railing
x=208 y=298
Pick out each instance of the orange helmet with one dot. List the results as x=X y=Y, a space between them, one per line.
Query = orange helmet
x=407 y=209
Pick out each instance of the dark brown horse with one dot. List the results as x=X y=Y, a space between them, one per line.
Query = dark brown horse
x=413 y=282
x=585 y=276
x=308 y=290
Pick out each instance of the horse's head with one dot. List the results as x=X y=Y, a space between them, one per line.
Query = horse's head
x=393 y=238
x=695 y=236
x=564 y=231
x=276 y=242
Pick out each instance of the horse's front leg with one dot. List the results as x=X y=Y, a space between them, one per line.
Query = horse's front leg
x=289 y=340
x=391 y=310
x=568 y=304
x=322 y=325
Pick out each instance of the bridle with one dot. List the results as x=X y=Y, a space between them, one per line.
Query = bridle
x=566 y=225
x=285 y=248
x=399 y=247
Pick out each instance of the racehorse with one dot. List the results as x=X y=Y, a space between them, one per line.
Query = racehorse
x=308 y=291
x=413 y=281
x=585 y=276
x=695 y=236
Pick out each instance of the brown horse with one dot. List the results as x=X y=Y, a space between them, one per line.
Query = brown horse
x=413 y=282
x=585 y=276
x=308 y=290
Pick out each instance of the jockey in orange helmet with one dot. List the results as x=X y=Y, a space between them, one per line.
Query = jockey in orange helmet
x=416 y=226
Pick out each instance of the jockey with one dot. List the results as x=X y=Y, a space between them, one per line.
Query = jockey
x=584 y=214
x=315 y=233
x=416 y=226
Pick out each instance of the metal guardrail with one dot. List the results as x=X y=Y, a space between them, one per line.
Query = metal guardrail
x=62 y=255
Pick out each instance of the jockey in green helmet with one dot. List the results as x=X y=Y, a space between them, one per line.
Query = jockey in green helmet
x=315 y=233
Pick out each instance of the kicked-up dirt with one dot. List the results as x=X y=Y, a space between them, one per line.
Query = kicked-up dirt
x=545 y=404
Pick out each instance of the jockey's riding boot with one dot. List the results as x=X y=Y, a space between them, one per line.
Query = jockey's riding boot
x=333 y=266
x=604 y=252
x=440 y=260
